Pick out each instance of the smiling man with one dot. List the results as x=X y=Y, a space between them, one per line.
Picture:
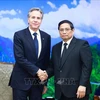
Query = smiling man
x=32 y=53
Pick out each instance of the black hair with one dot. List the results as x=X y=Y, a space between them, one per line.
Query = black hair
x=66 y=21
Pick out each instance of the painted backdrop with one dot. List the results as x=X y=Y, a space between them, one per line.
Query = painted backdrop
x=83 y=13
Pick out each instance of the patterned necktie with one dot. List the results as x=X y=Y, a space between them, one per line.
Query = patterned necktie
x=36 y=43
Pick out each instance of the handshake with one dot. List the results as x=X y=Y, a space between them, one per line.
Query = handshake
x=42 y=74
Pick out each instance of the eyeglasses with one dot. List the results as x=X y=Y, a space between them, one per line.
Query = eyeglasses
x=66 y=29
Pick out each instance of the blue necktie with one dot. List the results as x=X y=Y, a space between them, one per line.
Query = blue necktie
x=36 y=43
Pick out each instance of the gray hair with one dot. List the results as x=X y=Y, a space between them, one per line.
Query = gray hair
x=35 y=9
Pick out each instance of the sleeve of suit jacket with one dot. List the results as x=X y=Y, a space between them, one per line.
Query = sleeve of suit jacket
x=86 y=58
x=50 y=69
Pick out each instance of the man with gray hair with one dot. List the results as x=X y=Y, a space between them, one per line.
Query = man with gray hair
x=32 y=54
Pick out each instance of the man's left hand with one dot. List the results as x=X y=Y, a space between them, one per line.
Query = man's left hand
x=81 y=92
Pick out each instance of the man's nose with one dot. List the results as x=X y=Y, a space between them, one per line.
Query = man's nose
x=35 y=19
x=64 y=31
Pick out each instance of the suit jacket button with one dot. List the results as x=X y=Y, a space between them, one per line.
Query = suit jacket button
x=60 y=70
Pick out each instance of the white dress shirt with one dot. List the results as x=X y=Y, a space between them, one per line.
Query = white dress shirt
x=68 y=42
x=38 y=38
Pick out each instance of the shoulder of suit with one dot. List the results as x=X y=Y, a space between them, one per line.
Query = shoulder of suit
x=81 y=40
x=58 y=44
x=43 y=32
x=21 y=32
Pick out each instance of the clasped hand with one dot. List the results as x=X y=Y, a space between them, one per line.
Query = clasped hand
x=42 y=74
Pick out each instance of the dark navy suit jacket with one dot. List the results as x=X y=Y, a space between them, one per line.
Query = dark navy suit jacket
x=27 y=64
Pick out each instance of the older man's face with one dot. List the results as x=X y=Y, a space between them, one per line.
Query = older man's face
x=66 y=32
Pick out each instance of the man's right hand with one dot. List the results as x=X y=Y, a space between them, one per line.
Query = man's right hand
x=42 y=75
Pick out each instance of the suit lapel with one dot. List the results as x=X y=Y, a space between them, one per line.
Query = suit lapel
x=70 y=48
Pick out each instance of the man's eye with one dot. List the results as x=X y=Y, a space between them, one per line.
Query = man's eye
x=38 y=18
x=33 y=17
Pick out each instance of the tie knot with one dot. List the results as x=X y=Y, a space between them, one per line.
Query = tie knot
x=35 y=34
x=65 y=44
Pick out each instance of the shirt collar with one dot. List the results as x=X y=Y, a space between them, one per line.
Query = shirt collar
x=68 y=42
x=31 y=31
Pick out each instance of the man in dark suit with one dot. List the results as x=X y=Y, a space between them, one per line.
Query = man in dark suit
x=71 y=64
x=32 y=53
